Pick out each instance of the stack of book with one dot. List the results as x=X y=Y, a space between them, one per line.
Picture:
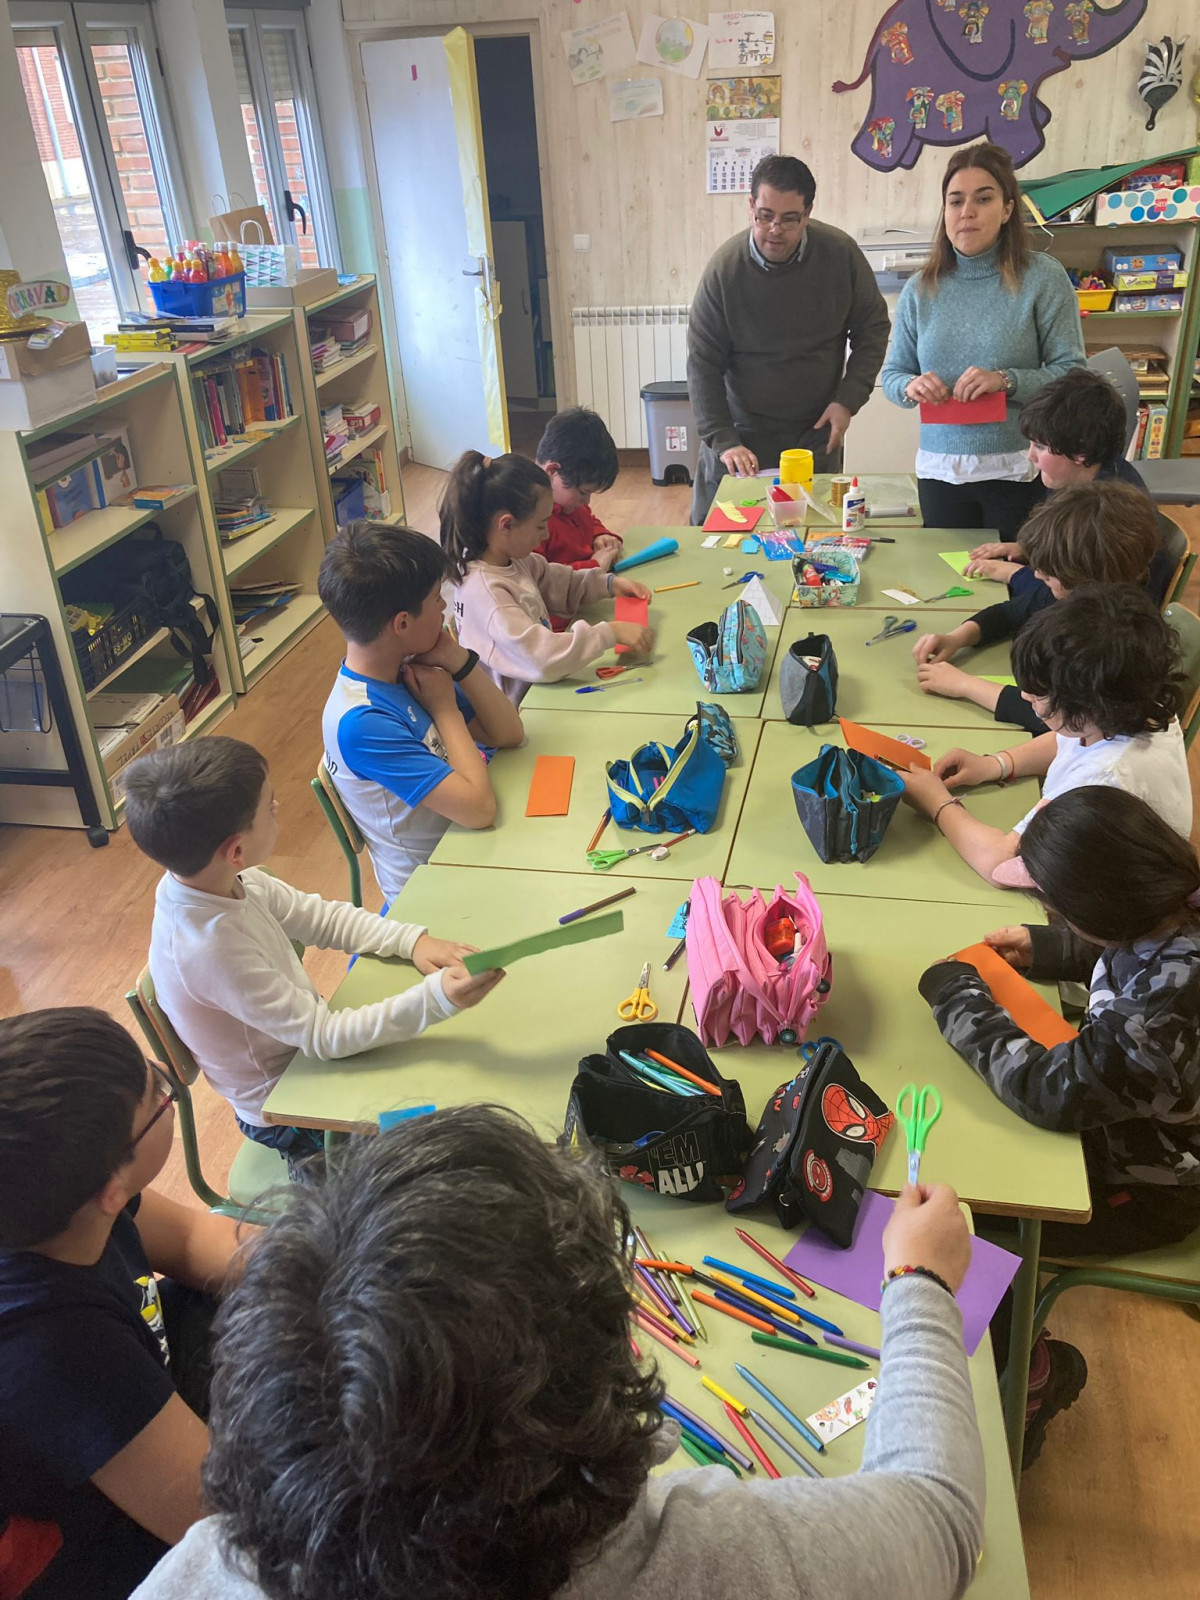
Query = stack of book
x=181 y=331
x=239 y=503
x=233 y=394
x=335 y=432
x=74 y=473
x=253 y=601
x=325 y=350
x=171 y=675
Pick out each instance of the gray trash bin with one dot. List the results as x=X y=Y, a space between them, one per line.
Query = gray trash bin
x=674 y=443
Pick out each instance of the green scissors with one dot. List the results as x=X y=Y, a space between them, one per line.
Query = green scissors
x=955 y=592
x=922 y=1111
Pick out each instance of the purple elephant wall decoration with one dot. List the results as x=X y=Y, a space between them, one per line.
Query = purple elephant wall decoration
x=944 y=72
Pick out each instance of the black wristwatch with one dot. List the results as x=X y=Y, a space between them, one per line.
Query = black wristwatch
x=468 y=666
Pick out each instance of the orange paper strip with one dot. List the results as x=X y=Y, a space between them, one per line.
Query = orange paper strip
x=628 y=608
x=877 y=745
x=717 y=522
x=1018 y=997
x=550 y=788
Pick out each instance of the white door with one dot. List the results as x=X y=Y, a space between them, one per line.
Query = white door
x=423 y=104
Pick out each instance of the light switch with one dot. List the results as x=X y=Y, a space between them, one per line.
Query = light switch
x=583 y=241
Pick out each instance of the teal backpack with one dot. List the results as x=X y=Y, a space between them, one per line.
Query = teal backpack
x=730 y=654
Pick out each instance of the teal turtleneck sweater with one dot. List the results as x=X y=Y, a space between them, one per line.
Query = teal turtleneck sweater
x=975 y=320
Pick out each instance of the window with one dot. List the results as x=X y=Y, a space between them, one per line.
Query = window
x=279 y=114
x=95 y=93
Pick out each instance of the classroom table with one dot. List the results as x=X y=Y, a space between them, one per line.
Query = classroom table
x=914 y=562
x=878 y=685
x=689 y=1232
x=914 y=861
x=882 y=489
x=558 y=844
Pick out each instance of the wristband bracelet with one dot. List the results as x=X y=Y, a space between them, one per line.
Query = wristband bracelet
x=915 y=1272
x=1005 y=763
x=611 y=581
x=468 y=666
x=942 y=807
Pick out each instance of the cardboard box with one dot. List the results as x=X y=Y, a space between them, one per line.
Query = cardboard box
x=1123 y=207
x=1143 y=261
x=312 y=284
x=362 y=416
x=165 y=726
x=1140 y=281
x=38 y=386
x=1139 y=304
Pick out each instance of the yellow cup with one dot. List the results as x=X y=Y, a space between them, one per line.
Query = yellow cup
x=796 y=466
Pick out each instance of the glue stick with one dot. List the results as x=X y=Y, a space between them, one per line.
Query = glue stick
x=854 y=509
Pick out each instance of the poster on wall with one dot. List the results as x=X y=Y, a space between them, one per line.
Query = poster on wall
x=945 y=72
x=742 y=121
x=738 y=40
x=630 y=99
x=600 y=48
x=676 y=44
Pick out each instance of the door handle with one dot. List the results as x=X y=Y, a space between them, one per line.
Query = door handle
x=292 y=209
x=134 y=251
x=478 y=273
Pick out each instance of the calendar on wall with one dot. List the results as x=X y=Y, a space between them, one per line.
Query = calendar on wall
x=742 y=118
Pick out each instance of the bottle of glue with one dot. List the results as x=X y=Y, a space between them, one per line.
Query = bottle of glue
x=854 y=509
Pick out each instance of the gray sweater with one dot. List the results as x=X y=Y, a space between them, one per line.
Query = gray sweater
x=909 y=1525
x=767 y=346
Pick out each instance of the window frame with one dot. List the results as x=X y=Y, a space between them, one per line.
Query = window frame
x=254 y=23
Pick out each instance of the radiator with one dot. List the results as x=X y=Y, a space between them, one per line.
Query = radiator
x=617 y=350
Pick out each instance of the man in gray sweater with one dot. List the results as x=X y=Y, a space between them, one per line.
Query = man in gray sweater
x=767 y=336
x=424 y=1386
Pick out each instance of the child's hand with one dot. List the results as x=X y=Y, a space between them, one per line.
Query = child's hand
x=605 y=541
x=640 y=640
x=1014 y=944
x=430 y=954
x=430 y=687
x=993 y=571
x=447 y=653
x=463 y=990
x=963 y=769
x=933 y=647
x=924 y=791
x=927 y=1229
x=606 y=555
x=1002 y=550
x=945 y=679
x=631 y=586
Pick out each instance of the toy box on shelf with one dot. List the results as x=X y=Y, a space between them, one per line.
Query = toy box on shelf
x=37 y=385
x=1123 y=207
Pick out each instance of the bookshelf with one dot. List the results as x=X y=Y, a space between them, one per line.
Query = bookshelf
x=362 y=375
x=36 y=563
x=289 y=547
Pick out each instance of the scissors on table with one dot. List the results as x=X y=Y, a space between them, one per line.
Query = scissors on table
x=955 y=592
x=892 y=628
x=639 y=1007
x=923 y=1108
x=745 y=578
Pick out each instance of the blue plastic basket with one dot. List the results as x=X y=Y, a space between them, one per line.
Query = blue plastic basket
x=219 y=297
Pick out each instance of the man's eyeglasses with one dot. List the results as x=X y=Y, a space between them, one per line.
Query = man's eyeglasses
x=789 y=221
x=170 y=1094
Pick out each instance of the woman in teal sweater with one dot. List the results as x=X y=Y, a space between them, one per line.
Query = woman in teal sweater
x=985 y=315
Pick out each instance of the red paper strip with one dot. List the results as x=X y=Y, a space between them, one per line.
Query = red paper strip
x=988 y=408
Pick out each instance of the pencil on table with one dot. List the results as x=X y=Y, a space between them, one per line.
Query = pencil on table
x=604 y=821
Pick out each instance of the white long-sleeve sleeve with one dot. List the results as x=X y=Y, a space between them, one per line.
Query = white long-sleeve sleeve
x=333 y=924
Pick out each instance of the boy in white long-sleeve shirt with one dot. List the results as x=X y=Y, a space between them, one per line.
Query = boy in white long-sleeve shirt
x=494 y=514
x=221 y=953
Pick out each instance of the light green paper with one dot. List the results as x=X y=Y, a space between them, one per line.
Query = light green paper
x=958 y=560
x=1005 y=683
x=574 y=933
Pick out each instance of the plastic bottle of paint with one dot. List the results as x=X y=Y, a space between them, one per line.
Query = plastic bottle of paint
x=854 y=509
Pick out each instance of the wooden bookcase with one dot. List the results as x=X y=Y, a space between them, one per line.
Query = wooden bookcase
x=34 y=562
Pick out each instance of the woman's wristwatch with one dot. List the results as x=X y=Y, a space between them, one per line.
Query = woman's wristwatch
x=1010 y=383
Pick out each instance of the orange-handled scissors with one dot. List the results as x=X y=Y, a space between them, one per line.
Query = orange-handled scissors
x=639 y=1007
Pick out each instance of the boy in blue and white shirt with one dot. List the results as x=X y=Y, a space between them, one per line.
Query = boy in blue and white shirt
x=410 y=708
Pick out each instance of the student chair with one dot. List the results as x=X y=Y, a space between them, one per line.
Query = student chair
x=1171 y=1272
x=1178 y=550
x=1113 y=364
x=1168 y=482
x=1187 y=626
x=256 y=1169
x=345 y=829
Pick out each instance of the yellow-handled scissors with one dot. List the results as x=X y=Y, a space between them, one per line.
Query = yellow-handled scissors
x=639 y=1007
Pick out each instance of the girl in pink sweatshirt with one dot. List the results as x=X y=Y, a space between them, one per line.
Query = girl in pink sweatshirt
x=493 y=515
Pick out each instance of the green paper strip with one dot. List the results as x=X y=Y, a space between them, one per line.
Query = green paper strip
x=574 y=933
x=958 y=560
x=1005 y=683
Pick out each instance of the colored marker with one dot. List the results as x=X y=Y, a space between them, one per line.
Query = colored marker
x=802 y=1428
x=704 y=1456
x=751 y=1278
x=586 y=911
x=665 y=1061
x=707 y=1433
x=775 y=1324
x=669 y=1308
x=836 y=1356
x=604 y=821
x=774 y=1434
x=852 y=1344
x=764 y=1254
x=760 y=1455
x=648 y=1327
x=796 y=1311
x=732 y=1311
x=723 y=1395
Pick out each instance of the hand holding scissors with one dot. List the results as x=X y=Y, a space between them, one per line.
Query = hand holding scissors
x=922 y=1110
x=639 y=1007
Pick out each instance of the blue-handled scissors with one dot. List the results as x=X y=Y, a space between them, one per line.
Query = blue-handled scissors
x=745 y=578
x=923 y=1109
x=892 y=628
x=809 y=1049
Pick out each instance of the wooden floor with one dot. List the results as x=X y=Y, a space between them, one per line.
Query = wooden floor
x=1104 y=1510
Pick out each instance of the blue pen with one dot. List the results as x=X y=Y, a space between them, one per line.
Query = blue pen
x=771 y=1293
x=690 y=1425
x=655 y=1078
x=802 y=1428
x=751 y=1278
x=599 y=688
x=753 y=1309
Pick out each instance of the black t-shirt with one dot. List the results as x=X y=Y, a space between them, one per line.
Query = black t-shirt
x=83 y=1369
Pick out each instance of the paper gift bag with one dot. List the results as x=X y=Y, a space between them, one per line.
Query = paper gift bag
x=229 y=225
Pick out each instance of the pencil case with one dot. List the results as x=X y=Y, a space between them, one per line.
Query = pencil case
x=693 y=1146
x=808 y=691
x=845 y=801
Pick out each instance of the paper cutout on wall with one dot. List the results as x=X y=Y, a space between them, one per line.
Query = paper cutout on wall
x=944 y=72
x=740 y=40
x=602 y=47
x=1162 y=73
x=676 y=44
x=631 y=99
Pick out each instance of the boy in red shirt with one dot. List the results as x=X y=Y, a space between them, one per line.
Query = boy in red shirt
x=579 y=457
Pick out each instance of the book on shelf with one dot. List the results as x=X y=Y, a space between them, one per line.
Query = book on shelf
x=233 y=393
x=335 y=432
x=369 y=468
x=155 y=496
x=254 y=600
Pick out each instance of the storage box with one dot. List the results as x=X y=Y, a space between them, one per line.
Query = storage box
x=347 y=327
x=1143 y=260
x=362 y=416
x=38 y=386
x=70 y=497
x=349 y=503
x=219 y=297
x=1117 y=207
x=1094 y=299
x=113 y=469
x=831 y=592
x=1168 y=279
x=1139 y=304
x=164 y=727
x=312 y=284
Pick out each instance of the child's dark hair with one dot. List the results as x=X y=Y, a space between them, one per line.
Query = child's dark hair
x=71 y=1080
x=480 y=488
x=372 y=571
x=1104 y=656
x=1101 y=532
x=583 y=447
x=1079 y=415
x=1107 y=862
x=182 y=803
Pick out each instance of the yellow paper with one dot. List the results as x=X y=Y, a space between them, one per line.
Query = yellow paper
x=732 y=542
x=734 y=513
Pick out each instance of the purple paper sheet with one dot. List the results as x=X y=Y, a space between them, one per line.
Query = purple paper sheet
x=858 y=1272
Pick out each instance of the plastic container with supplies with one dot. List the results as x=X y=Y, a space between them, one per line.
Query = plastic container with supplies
x=671 y=432
x=829 y=589
x=219 y=297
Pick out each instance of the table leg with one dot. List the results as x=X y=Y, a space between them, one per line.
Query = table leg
x=1020 y=1344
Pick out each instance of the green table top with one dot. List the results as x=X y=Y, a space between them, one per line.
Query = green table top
x=914 y=562
x=880 y=948
x=882 y=489
x=522 y=1044
x=557 y=844
x=688 y=1233
x=913 y=863
x=878 y=685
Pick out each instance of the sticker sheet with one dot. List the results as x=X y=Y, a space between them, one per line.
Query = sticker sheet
x=844 y=1413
